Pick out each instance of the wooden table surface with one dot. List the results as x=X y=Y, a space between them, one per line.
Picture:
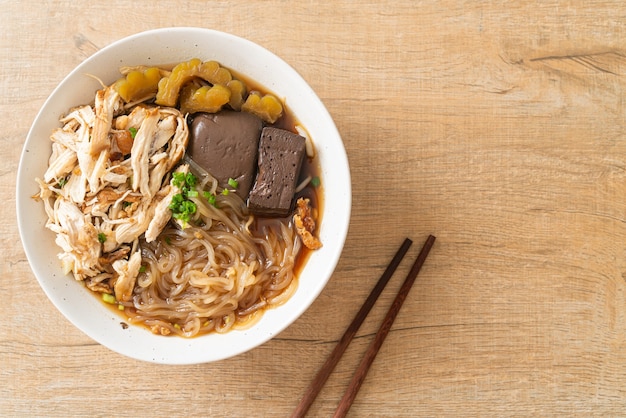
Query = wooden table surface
x=499 y=129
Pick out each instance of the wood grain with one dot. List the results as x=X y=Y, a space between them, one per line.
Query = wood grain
x=499 y=128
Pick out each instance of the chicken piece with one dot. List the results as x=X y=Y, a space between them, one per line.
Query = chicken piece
x=81 y=115
x=166 y=129
x=75 y=189
x=132 y=228
x=305 y=224
x=162 y=215
x=127 y=271
x=78 y=237
x=108 y=202
x=159 y=128
x=107 y=103
x=47 y=197
x=133 y=119
x=99 y=169
x=62 y=162
x=159 y=170
x=117 y=174
x=178 y=144
x=140 y=153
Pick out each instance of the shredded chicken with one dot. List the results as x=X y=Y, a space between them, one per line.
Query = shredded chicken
x=305 y=224
x=107 y=103
x=99 y=199
x=127 y=271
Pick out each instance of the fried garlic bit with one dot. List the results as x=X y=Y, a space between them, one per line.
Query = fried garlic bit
x=305 y=224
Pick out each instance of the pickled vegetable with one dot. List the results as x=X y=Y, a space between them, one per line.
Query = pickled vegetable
x=210 y=71
x=208 y=99
x=267 y=107
x=138 y=84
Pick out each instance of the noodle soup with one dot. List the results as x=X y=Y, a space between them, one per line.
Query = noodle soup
x=156 y=235
x=101 y=321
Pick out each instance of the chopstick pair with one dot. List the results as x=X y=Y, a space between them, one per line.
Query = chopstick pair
x=359 y=375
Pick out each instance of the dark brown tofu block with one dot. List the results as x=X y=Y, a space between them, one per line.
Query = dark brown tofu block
x=226 y=144
x=280 y=158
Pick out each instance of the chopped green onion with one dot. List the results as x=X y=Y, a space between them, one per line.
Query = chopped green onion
x=210 y=197
x=188 y=207
x=62 y=182
x=178 y=179
x=315 y=181
x=177 y=199
x=142 y=269
x=182 y=208
x=225 y=192
x=190 y=179
x=133 y=132
x=108 y=298
x=233 y=183
x=102 y=237
x=168 y=241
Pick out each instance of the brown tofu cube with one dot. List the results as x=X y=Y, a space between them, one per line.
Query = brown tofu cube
x=280 y=158
x=226 y=145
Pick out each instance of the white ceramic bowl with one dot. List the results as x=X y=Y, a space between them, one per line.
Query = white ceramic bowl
x=163 y=46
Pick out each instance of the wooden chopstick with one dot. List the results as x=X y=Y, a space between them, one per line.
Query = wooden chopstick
x=370 y=355
x=332 y=360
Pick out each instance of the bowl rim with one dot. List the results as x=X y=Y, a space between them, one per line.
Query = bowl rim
x=168 y=349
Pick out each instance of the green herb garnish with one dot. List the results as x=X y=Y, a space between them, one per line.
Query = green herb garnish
x=183 y=211
x=181 y=206
x=133 y=132
x=62 y=182
x=181 y=180
x=233 y=183
x=102 y=237
x=315 y=181
x=210 y=197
